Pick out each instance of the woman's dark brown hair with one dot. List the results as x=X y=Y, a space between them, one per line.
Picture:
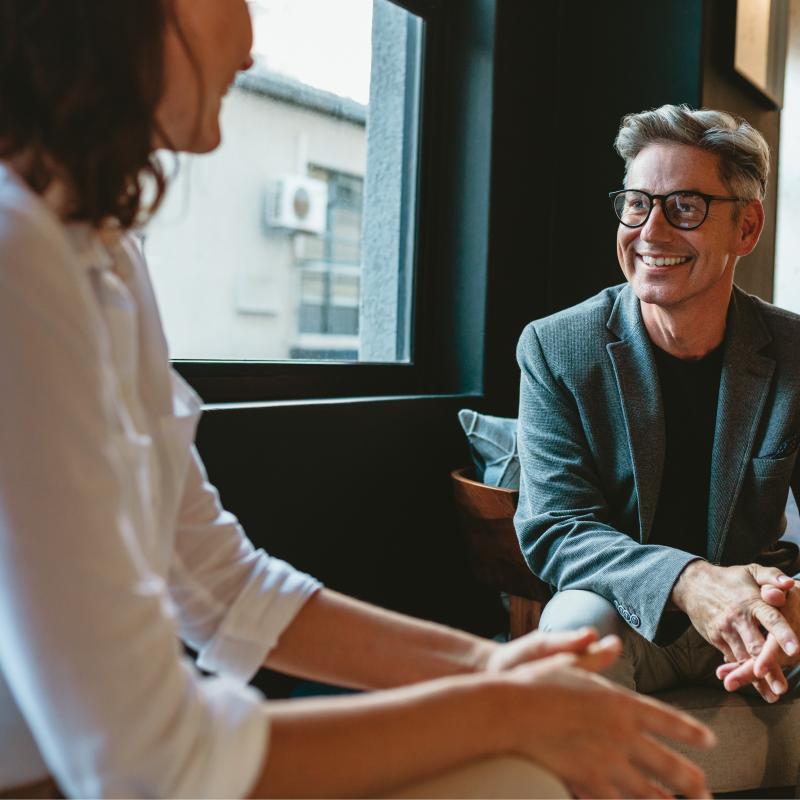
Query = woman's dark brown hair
x=80 y=82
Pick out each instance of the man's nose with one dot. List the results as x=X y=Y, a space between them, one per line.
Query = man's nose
x=656 y=229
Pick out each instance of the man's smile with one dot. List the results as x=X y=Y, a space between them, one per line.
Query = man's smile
x=663 y=261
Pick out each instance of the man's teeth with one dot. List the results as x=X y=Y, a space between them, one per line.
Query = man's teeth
x=664 y=262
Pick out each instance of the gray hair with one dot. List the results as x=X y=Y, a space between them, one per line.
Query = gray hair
x=743 y=154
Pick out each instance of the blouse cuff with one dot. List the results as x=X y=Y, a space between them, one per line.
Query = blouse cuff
x=256 y=620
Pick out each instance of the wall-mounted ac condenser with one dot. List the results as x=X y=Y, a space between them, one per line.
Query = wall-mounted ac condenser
x=297 y=203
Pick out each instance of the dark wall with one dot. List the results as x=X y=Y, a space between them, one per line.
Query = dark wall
x=353 y=493
x=357 y=494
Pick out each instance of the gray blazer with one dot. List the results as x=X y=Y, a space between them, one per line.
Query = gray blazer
x=591 y=445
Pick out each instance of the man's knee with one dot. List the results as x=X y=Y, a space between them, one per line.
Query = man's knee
x=577 y=608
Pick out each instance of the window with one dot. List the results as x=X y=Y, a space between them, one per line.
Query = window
x=329 y=269
x=295 y=239
x=230 y=284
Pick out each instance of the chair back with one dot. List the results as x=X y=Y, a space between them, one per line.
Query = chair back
x=487 y=522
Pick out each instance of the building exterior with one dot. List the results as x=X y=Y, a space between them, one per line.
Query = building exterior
x=256 y=252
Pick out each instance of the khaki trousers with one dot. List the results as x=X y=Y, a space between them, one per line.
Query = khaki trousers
x=643 y=666
x=505 y=777
x=501 y=777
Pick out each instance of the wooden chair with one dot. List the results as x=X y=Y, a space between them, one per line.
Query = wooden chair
x=487 y=522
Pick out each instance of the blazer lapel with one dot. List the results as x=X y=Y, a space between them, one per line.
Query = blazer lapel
x=744 y=386
x=635 y=371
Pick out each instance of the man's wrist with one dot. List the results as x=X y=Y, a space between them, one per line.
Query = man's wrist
x=694 y=570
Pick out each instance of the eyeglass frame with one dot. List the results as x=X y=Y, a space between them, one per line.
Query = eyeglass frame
x=662 y=197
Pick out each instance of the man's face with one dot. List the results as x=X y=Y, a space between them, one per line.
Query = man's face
x=707 y=255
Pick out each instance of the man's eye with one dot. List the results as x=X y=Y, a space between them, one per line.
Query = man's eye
x=688 y=205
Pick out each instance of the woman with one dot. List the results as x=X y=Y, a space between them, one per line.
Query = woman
x=113 y=544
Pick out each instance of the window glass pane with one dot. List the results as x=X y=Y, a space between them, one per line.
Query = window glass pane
x=295 y=238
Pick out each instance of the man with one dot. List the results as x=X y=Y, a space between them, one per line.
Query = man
x=659 y=420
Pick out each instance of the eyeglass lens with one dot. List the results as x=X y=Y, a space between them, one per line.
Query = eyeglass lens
x=682 y=209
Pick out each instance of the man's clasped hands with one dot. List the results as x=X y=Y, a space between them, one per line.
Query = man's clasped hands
x=751 y=614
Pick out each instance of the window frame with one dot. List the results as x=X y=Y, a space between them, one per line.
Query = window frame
x=449 y=288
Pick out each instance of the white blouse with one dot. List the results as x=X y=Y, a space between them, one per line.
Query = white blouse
x=112 y=542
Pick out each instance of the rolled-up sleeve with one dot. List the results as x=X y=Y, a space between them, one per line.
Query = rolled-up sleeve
x=233 y=601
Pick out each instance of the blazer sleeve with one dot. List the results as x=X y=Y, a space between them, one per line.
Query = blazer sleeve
x=563 y=520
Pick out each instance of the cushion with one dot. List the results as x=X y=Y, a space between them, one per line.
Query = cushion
x=493 y=446
x=758 y=744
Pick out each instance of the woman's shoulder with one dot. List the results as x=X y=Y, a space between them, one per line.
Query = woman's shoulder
x=29 y=230
x=40 y=272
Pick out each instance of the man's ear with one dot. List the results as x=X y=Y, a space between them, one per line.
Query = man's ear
x=749 y=227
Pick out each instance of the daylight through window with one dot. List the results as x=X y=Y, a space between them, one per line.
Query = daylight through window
x=296 y=237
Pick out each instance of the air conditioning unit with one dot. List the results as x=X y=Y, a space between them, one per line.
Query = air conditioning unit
x=297 y=203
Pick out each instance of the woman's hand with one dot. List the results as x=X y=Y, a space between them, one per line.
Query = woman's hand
x=600 y=739
x=597 y=737
x=536 y=645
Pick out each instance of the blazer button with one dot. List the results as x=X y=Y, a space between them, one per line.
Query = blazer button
x=635 y=621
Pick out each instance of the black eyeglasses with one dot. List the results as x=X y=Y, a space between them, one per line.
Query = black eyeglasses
x=684 y=210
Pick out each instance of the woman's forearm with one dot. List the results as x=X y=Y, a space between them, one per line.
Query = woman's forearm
x=367 y=745
x=595 y=736
x=344 y=641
